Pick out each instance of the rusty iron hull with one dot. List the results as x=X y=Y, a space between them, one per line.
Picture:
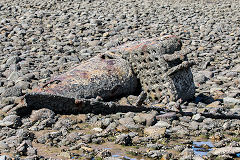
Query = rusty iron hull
x=106 y=75
x=164 y=74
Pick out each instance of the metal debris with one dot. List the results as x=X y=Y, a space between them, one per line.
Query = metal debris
x=106 y=75
x=164 y=71
x=65 y=105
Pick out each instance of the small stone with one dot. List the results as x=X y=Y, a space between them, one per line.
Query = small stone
x=208 y=74
x=63 y=123
x=8 y=107
x=231 y=101
x=138 y=119
x=31 y=151
x=97 y=129
x=93 y=43
x=13 y=60
x=12 y=121
x=98 y=140
x=87 y=138
x=179 y=148
x=187 y=153
x=22 y=148
x=162 y=124
x=104 y=153
x=154 y=131
x=112 y=126
x=225 y=151
x=23 y=85
x=224 y=157
x=197 y=117
x=128 y=123
x=43 y=138
x=88 y=149
x=123 y=101
x=32 y=157
x=121 y=128
x=166 y=156
x=236 y=68
x=14 y=76
x=155 y=146
x=4 y=157
x=132 y=99
x=106 y=122
x=124 y=139
x=155 y=154
x=214 y=104
x=217 y=48
x=129 y=115
x=145 y=119
x=226 y=126
x=193 y=125
x=11 y=92
x=3 y=146
x=65 y=154
x=167 y=116
x=186 y=119
x=200 y=78
x=197 y=158
x=41 y=114
x=6 y=124
x=96 y=22
x=106 y=34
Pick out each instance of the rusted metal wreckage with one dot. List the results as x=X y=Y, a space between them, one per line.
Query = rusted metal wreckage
x=164 y=74
x=164 y=71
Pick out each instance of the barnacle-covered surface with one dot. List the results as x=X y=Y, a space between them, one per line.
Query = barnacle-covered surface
x=106 y=75
x=164 y=74
x=164 y=71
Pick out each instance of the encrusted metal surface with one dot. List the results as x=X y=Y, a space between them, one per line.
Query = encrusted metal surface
x=164 y=74
x=106 y=75
x=163 y=70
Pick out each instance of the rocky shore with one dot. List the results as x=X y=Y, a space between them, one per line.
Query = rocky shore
x=40 y=39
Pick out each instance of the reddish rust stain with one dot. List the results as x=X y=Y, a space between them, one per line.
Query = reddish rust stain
x=79 y=104
x=84 y=75
x=144 y=47
x=144 y=43
x=111 y=62
x=87 y=73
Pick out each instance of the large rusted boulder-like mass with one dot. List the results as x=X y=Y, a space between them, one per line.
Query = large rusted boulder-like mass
x=164 y=71
x=106 y=75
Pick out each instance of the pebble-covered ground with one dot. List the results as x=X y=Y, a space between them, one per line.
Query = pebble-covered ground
x=40 y=39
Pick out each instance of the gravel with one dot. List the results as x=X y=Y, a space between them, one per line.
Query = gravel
x=40 y=39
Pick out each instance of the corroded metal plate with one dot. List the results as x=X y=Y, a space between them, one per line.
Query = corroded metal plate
x=106 y=75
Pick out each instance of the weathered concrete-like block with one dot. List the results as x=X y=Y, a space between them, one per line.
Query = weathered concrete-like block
x=164 y=72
